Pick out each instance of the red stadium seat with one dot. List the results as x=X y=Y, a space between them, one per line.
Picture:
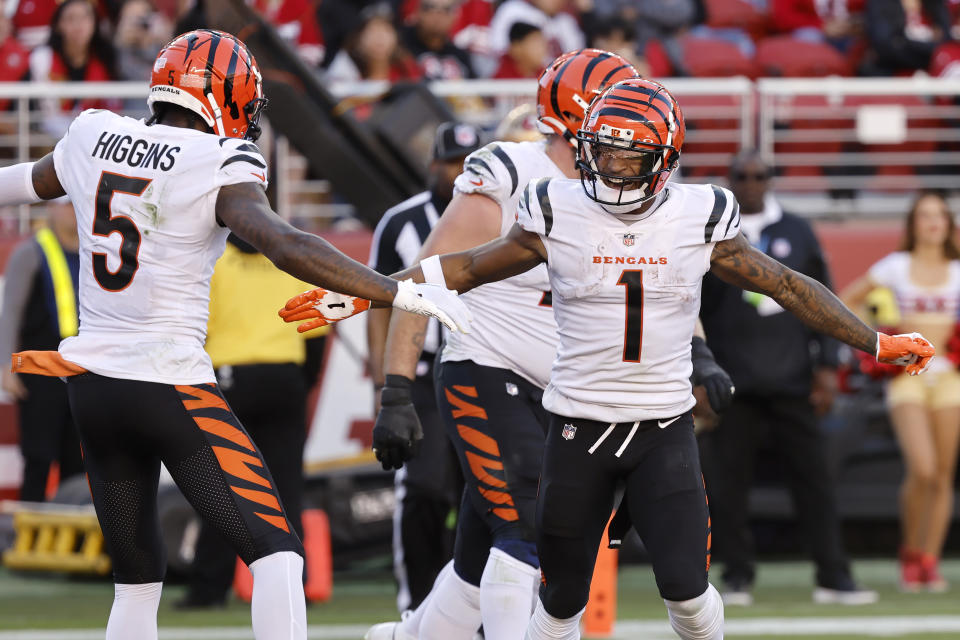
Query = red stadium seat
x=660 y=66
x=707 y=58
x=783 y=56
x=736 y=14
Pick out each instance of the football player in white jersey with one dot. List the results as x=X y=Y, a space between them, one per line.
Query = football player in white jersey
x=626 y=251
x=155 y=201
x=491 y=382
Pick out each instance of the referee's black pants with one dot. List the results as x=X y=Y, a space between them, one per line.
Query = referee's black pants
x=729 y=454
x=270 y=400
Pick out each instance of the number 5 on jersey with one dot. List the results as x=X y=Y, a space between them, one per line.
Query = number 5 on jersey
x=632 y=279
x=106 y=224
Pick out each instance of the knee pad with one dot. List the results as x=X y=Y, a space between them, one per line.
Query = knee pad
x=563 y=598
x=523 y=550
x=700 y=618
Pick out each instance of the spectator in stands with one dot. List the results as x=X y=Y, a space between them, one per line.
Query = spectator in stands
x=259 y=365
x=924 y=276
x=338 y=19
x=141 y=33
x=40 y=309
x=831 y=22
x=903 y=34
x=524 y=56
x=372 y=51
x=617 y=35
x=428 y=38
x=559 y=27
x=295 y=22
x=666 y=21
x=31 y=21
x=14 y=58
x=785 y=377
x=76 y=52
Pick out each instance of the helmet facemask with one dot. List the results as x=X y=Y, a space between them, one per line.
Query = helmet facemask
x=620 y=175
x=253 y=110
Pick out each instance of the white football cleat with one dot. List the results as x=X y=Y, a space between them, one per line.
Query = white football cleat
x=386 y=631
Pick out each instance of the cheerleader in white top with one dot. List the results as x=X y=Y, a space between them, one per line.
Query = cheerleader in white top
x=924 y=277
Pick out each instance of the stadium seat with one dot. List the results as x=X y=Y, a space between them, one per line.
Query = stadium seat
x=783 y=56
x=707 y=58
x=660 y=66
x=736 y=14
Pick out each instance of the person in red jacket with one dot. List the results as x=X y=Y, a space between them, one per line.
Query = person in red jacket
x=524 y=57
x=14 y=58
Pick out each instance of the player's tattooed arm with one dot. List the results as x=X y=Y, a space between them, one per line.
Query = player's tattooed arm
x=245 y=210
x=499 y=259
x=45 y=180
x=736 y=261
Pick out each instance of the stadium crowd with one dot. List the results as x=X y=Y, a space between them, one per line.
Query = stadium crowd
x=396 y=40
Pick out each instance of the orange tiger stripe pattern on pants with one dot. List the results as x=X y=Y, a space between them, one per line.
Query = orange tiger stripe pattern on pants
x=237 y=455
x=482 y=454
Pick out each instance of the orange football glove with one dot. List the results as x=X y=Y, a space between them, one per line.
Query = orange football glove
x=321 y=307
x=910 y=350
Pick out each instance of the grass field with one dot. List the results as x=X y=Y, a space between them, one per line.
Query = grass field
x=53 y=608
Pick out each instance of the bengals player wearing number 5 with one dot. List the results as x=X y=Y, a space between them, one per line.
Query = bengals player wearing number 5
x=626 y=251
x=155 y=202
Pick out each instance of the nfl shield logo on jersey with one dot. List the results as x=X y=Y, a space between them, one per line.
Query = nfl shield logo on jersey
x=628 y=239
x=568 y=431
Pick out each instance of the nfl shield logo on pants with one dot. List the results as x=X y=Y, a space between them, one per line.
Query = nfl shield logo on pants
x=628 y=239
x=568 y=431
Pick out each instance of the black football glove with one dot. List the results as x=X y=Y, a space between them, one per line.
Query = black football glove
x=397 y=433
x=707 y=372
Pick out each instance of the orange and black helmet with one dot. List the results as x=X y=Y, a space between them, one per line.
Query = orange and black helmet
x=634 y=118
x=571 y=82
x=212 y=74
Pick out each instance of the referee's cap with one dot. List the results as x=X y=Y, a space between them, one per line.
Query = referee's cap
x=455 y=140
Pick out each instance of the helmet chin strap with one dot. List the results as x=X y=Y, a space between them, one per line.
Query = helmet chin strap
x=628 y=209
x=217 y=118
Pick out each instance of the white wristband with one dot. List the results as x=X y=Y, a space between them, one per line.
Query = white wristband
x=432 y=271
x=16 y=184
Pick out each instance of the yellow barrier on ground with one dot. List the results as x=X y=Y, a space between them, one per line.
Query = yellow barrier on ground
x=56 y=538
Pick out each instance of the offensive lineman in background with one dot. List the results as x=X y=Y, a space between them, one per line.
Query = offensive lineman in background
x=619 y=393
x=491 y=384
x=155 y=202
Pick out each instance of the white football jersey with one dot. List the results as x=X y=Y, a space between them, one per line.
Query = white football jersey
x=513 y=325
x=626 y=294
x=145 y=200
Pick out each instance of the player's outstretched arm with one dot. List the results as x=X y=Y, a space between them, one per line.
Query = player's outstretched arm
x=244 y=208
x=507 y=256
x=348 y=287
x=736 y=261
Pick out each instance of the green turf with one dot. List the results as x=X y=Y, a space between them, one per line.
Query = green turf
x=782 y=590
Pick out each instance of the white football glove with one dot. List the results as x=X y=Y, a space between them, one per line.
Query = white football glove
x=435 y=301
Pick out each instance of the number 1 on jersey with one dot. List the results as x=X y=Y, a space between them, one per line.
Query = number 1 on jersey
x=632 y=279
x=106 y=224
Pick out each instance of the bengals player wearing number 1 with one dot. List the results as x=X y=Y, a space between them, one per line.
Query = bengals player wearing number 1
x=155 y=202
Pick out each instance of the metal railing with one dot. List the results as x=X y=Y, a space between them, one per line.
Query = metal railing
x=841 y=146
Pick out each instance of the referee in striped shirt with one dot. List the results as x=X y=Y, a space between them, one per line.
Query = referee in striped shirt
x=428 y=487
